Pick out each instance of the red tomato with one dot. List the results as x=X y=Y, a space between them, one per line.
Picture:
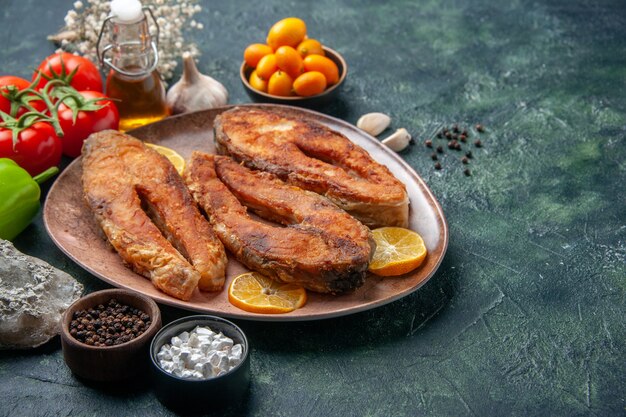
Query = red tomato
x=87 y=122
x=21 y=84
x=38 y=147
x=8 y=80
x=61 y=65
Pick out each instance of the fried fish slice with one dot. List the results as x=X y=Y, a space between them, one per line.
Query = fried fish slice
x=313 y=157
x=319 y=246
x=122 y=180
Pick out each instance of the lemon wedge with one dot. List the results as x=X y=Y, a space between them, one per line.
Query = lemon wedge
x=398 y=251
x=256 y=293
x=173 y=156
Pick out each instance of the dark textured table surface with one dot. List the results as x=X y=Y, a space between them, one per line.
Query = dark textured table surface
x=526 y=314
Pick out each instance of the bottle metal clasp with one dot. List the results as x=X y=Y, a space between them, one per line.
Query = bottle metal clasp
x=105 y=60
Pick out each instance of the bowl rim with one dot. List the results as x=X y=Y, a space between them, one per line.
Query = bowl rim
x=196 y=317
x=342 y=77
x=155 y=321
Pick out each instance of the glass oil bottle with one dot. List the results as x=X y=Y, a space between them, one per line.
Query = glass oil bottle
x=131 y=57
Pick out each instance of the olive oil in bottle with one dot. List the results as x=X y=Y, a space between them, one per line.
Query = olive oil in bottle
x=141 y=101
x=131 y=56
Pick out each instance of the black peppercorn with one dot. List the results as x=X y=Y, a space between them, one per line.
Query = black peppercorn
x=467 y=172
x=429 y=143
x=464 y=160
x=108 y=325
x=478 y=143
x=468 y=154
x=433 y=156
x=437 y=166
x=480 y=128
x=439 y=149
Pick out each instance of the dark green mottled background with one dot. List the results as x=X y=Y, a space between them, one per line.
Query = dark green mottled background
x=526 y=314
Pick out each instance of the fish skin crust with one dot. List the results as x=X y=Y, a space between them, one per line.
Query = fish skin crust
x=315 y=158
x=318 y=246
x=123 y=180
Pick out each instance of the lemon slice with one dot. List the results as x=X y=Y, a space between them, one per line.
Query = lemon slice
x=173 y=156
x=256 y=293
x=398 y=251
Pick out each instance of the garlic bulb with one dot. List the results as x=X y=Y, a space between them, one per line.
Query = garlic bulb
x=374 y=123
x=398 y=140
x=195 y=91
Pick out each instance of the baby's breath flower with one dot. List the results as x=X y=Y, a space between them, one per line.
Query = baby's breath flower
x=87 y=16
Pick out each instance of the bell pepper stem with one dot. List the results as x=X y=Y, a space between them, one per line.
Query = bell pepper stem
x=47 y=174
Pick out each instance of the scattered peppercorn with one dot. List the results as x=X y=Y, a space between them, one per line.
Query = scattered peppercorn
x=456 y=135
x=108 y=325
x=467 y=172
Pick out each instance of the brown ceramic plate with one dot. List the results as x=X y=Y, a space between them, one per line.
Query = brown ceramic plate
x=71 y=226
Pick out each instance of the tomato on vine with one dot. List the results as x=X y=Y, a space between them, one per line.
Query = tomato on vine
x=80 y=117
x=74 y=70
x=12 y=102
x=10 y=86
x=34 y=147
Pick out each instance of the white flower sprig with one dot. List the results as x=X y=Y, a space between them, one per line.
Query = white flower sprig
x=83 y=23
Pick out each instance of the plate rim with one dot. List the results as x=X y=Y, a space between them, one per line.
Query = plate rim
x=170 y=301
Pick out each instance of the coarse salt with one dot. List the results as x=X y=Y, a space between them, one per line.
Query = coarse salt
x=200 y=354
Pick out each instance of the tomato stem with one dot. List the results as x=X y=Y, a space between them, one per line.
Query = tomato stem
x=55 y=92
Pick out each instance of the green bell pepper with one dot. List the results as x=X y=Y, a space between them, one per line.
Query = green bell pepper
x=19 y=197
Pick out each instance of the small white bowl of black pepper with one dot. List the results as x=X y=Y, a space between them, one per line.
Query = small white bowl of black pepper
x=105 y=335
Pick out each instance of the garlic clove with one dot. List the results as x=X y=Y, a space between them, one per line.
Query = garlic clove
x=195 y=91
x=374 y=123
x=398 y=140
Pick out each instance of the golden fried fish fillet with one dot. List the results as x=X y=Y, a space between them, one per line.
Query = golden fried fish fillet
x=316 y=158
x=138 y=197
x=319 y=246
